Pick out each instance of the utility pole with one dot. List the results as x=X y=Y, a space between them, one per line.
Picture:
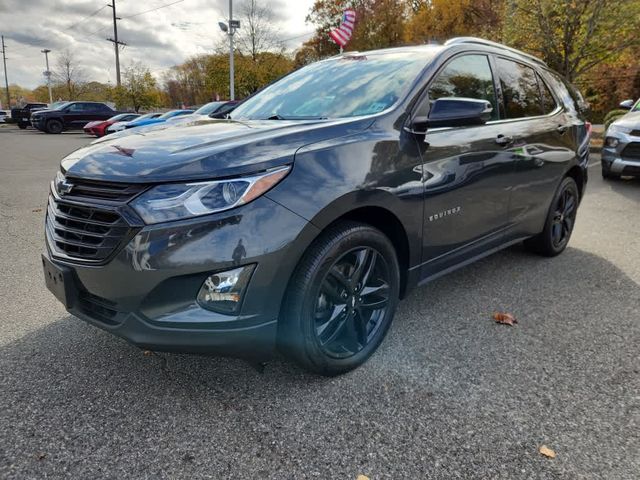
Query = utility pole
x=230 y=30
x=115 y=41
x=232 y=93
x=6 y=79
x=47 y=73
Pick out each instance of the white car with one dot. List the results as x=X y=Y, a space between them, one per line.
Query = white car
x=3 y=116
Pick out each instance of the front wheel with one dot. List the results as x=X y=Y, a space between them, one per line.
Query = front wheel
x=54 y=126
x=560 y=221
x=22 y=126
x=607 y=175
x=341 y=299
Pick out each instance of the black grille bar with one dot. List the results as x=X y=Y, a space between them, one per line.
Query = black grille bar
x=632 y=151
x=114 y=192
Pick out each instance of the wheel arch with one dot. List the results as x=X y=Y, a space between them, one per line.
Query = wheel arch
x=579 y=176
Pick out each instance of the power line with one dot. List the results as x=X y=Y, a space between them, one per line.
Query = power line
x=153 y=9
x=87 y=17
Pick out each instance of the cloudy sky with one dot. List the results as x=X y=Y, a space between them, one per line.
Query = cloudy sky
x=159 y=37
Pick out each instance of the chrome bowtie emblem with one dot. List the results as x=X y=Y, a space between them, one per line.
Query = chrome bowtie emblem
x=64 y=187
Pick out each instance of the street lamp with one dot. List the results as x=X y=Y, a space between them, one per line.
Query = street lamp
x=47 y=73
x=230 y=30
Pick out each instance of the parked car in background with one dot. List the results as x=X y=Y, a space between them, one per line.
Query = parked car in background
x=22 y=116
x=210 y=110
x=3 y=116
x=70 y=116
x=119 y=126
x=144 y=122
x=621 y=146
x=300 y=221
x=99 y=127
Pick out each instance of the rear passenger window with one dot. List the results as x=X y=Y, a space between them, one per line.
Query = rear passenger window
x=519 y=89
x=548 y=102
x=468 y=76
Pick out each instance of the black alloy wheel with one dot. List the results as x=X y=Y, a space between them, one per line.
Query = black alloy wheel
x=352 y=301
x=564 y=218
x=54 y=126
x=560 y=221
x=341 y=299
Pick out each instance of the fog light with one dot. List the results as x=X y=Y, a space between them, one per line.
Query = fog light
x=222 y=292
x=612 y=142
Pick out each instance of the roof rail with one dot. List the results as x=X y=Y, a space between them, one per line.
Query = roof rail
x=489 y=43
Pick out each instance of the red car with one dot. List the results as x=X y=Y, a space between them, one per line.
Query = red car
x=99 y=128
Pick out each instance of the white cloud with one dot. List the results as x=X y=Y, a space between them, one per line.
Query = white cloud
x=159 y=39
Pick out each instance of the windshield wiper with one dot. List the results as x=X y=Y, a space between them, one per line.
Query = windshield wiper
x=277 y=116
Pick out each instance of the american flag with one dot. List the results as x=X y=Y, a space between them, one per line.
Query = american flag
x=343 y=33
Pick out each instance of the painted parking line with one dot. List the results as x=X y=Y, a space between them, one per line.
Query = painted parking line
x=593 y=164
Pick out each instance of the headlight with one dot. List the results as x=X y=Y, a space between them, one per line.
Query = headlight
x=618 y=129
x=177 y=201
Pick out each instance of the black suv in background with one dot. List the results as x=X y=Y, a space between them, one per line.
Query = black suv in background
x=22 y=116
x=71 y=116
x=302 y=219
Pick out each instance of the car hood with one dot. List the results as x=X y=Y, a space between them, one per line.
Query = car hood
x=217 y=148
x=631 y=119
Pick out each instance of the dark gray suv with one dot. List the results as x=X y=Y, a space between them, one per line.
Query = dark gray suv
x=299 y=222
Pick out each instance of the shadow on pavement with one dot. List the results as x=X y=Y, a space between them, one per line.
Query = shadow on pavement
x=450 y=394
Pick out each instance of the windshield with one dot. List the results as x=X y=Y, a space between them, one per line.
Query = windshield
x=209 y=108
x=59 y=105
x=347 y=86
x=173 y=113
x=145 y=116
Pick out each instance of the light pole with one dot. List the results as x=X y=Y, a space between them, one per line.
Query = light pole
x=230 y=30
x=47 y=73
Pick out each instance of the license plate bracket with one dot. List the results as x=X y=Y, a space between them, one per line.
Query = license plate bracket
x=59 y=281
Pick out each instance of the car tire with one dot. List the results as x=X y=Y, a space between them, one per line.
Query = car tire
x=607 y=175
x=560 y=221
x=54 y=126
x=22 y=126
x=331 y=322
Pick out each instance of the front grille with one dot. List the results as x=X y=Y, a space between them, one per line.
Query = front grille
x=88 y=233
x=632 y=151
x=114 y=192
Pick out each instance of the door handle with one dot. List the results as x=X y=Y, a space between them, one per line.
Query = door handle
x=562 y=128
x=504 y=140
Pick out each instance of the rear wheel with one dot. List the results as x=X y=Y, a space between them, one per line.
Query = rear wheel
x=560 y=221
x=22 y=126
x=341 y=299
x=54 y=126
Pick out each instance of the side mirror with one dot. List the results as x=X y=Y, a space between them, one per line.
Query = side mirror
x=627 y=104
x=453 y=112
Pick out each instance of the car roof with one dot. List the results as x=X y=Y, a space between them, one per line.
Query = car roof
x=469 y=42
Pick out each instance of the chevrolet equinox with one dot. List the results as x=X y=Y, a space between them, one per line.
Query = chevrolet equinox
x=297 y=223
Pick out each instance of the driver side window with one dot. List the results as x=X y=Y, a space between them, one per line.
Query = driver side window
x=468 y=76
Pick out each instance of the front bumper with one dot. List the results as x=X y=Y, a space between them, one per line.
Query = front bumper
x=146 y=293
x=617 y=160
x=38 y=123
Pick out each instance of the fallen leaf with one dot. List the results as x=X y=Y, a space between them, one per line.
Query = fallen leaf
x=36 y=210
x=547 y=452
x=42 y=456
x=147 y=353
x=362 y=477
x=504 y=318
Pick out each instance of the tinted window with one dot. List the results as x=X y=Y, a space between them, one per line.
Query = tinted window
x=468 y=76
x=548 y=102
x=519 y=89
x=562 y=91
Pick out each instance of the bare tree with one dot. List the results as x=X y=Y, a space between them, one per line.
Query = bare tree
x=69 y=74
x=256 y=33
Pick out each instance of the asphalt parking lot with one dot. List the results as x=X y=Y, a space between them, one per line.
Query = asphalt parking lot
x=450 y=394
